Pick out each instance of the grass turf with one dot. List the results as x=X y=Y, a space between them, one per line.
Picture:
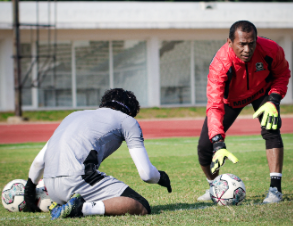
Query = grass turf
x=178 y=157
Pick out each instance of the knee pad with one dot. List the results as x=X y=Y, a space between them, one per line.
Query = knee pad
x=273 y=138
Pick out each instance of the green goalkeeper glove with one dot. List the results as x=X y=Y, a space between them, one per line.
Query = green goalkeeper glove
x=220 y=155
x=271 y=112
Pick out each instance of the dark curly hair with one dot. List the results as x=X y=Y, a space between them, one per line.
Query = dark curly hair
x=243 y=25
x=121 y=100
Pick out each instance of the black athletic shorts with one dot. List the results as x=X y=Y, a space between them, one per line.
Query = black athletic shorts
x=130 y=193
x=205 y=147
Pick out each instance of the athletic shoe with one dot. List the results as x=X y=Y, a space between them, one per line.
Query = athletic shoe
x=53 y=205
x=70 y=209
x=273 y=196
x=205 y=197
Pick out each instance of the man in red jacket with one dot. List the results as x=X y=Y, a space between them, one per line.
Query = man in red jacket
x=246 y=70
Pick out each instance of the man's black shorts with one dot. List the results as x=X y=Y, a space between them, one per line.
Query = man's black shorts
x=130 y=193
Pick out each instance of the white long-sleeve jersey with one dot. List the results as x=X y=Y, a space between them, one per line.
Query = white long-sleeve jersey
x=89 y=137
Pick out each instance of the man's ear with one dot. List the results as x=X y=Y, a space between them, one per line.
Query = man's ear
x=229 y=42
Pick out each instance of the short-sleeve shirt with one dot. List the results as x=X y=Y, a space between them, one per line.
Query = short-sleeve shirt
x=102 y=130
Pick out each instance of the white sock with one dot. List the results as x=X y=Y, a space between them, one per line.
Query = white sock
x=210 y=181
x=93 y=208
x=275 y=175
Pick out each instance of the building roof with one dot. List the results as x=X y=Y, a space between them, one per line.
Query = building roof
x=150 y=15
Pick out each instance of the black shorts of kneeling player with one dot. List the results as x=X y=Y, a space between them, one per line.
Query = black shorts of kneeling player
x=130 y=193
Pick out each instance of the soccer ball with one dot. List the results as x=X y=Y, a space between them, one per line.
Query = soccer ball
x=42 y=197
x=13 y=195
x=227 y=189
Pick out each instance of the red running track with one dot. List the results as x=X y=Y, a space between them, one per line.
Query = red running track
x=41 y=132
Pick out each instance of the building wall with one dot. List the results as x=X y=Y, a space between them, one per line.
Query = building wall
x=154 y=85
x=175 y=42
x=286 y=43
x=6 y=72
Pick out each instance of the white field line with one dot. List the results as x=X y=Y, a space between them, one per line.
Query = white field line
x=146 y=143
x=21 y=218
x=191 y=208
x=23 y=147
x=196 y=140
x=233 y=211
x=229 y=207
x=180 y=154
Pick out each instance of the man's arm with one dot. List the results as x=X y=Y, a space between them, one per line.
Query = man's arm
x=281 y=73
x=215 y=109
x=147 y=171
x=271 y=109
x=37 y=168
x=135 y=142
x=35 y=174
x=215 y=93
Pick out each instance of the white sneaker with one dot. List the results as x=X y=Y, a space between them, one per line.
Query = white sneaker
x=205 y=197
x=273 y=196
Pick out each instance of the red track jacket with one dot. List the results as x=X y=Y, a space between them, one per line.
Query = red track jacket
x=236 y=83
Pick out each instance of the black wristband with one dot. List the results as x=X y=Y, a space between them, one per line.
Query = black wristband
x=217 y=138
x=275 y=98
x=218 y=145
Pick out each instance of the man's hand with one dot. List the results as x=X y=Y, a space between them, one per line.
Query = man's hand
x=270 y=111
x=30 y=197
x=220 y=155
x=165 y=181
x=270 y=115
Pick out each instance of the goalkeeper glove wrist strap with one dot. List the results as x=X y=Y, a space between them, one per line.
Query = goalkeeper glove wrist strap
x=275 y=98
x=30 y=185
x=162 y=178
x=218 y=145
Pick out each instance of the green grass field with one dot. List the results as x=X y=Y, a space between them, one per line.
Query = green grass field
x=178 y=157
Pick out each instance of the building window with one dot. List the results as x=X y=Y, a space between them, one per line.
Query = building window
x=26 y=74
x=130 y=68
x=184 y=66
x=97 y=66
x=55 y=76
x=175 y=72
x=92 y=71
x=204 y=51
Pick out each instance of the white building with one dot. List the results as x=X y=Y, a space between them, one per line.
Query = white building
x=159 y=50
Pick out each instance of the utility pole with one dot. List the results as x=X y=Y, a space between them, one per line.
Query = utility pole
x=16 y=59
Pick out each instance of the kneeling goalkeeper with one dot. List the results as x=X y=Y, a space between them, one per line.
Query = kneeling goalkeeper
x=70 y=160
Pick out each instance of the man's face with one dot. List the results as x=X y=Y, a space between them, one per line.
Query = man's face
x=243 y=45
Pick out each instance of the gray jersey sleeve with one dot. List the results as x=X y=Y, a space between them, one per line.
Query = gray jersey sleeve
x=132 y=133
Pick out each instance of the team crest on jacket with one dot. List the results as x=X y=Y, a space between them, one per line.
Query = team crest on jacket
x=259 y=66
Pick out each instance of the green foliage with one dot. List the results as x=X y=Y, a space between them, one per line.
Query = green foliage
x=178 y=157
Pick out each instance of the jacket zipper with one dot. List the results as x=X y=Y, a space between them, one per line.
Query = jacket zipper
x=247 y=76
